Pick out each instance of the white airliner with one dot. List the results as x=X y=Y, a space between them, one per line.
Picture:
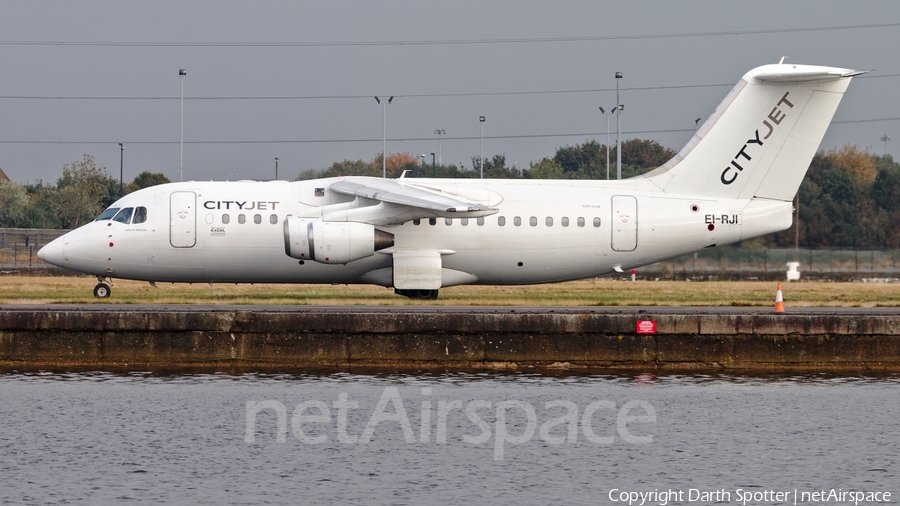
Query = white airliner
x=734 y=180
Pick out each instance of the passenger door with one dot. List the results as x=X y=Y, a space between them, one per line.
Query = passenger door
x=624 y=223
x=183 y=219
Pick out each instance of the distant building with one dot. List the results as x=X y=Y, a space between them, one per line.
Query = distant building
x=3 y=176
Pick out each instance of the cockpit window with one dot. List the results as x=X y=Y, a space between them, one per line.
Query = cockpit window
x=124 y=216
x=140 y=215
x=108 y=214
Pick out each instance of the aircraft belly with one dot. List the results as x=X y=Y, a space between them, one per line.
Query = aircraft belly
x=502 y=267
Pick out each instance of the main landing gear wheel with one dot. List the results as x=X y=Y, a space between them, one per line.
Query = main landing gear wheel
x=419 y=294
x=102 y=291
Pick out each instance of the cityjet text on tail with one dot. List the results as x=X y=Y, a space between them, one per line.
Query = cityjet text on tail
x=734 y=180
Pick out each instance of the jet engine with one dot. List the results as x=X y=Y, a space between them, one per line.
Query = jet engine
x=330 y=242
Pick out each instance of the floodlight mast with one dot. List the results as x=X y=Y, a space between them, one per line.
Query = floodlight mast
x=603 y=112
x=439 y=132
x=384 y=134
x=182 y=73
x=619 y=108
x=121 y=164
x=481 y=120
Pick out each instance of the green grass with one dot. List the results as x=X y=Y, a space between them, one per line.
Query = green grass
x=595 y=292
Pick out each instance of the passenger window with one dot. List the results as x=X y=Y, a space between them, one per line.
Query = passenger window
x=257 y=219
x=549 y=221
x=580 y=221
x=242 y=219
x=532 y=221
x=564 y=221
x=124 y=216
x=209 y=219
x=480 y=222
x=432 y=221
x=416 y=222
x=448 y=221
x=517 y=221
x=273 y=219
x=140 y=215
x=226 y=219
x=596 y=222
x=501 y=221
x=108 y=214
x=464 y=221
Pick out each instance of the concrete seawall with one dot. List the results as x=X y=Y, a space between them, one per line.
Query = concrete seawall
x=270 y=338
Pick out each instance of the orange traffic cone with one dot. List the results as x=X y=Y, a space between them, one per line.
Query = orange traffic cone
x=779 y=300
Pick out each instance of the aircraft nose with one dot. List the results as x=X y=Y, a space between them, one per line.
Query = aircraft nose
x=54 y=252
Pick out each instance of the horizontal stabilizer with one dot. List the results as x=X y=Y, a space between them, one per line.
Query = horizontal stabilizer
x=813 y=74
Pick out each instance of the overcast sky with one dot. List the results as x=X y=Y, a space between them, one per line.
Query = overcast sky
x=295 y=80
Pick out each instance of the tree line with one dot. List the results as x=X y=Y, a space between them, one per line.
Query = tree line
x=849 y=198
x=78 y=196
x=582 y=161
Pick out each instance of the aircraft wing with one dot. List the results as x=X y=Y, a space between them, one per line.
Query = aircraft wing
x=390 y=191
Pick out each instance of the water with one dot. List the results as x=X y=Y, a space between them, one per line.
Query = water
x=104 y=438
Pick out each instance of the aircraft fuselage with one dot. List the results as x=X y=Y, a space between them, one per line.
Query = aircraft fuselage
x=551 y=231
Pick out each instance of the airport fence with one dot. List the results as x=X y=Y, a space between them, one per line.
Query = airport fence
x=730 y=262
x=19 y=246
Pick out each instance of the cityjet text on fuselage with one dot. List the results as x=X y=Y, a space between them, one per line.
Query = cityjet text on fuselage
x=238 y=205
x=777 y=115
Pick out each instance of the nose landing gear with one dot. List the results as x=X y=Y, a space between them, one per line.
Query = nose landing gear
x=102 y=290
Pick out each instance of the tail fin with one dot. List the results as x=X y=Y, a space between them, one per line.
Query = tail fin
x=761 y=138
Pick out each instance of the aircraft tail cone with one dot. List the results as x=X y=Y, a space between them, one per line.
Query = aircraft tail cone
x=779 y=300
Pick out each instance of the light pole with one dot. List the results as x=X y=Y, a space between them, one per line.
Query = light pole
x=182 y=73
x=618 y=130
x=432 y=165
x=439 y=132
x=603 y=112
x=618 y=110
x=384 y=134
x=121 y=164
x=885 y=138
x=481 y=120
x=797 y=226
x=276 y=168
